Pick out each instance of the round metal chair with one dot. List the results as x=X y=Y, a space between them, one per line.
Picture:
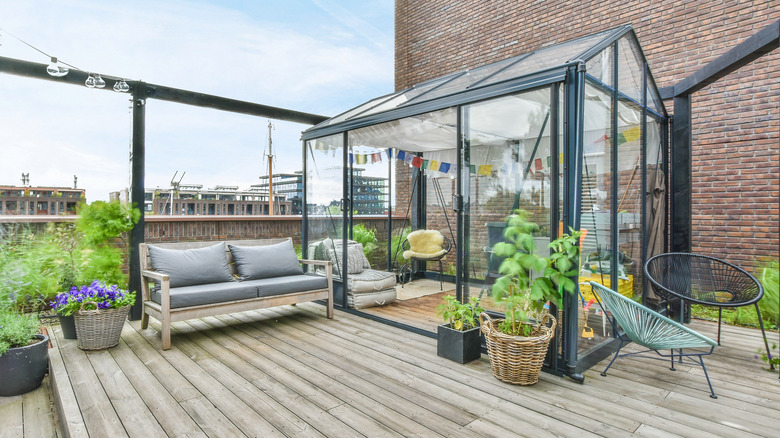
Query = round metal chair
x=700 y=279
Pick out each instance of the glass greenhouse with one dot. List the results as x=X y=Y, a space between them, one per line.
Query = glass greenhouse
x=574 y=133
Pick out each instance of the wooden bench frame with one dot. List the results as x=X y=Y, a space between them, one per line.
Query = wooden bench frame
x=166 y=315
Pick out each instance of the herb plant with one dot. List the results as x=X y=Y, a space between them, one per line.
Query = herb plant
x=460 y=316
x=523 y=295
x=16 y=329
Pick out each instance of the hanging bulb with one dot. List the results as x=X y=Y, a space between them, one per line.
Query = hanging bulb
x=90 y=82
x=121 y=86
x=55 y=69
x=99 y=82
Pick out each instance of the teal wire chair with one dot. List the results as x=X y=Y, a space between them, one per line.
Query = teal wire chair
x=652 y=331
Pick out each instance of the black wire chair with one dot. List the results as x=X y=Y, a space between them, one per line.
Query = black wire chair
x=705 y=280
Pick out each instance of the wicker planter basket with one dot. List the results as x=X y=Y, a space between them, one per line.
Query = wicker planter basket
x=100 y=328
x=517 y=359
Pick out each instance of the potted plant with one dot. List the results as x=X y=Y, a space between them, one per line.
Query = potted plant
x=530 y=282
x=24 y=353
x=99 y=313
x=458 y=339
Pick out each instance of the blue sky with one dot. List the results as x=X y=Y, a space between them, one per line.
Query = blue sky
x=316 y=56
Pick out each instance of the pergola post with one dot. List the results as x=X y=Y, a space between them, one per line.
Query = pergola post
x=137 y=192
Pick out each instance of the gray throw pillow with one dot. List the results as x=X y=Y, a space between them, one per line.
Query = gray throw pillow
x=256 y=262
x=189 y=267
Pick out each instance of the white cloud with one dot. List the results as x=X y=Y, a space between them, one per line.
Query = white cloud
x=319 y=65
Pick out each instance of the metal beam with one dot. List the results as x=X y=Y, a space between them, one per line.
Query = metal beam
x=761 y=43
x=77 y=77
x=138 y=167
x=680 y=172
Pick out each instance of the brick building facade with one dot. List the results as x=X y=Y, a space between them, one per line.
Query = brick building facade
x=736 y=120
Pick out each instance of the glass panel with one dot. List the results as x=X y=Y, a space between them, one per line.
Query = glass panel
x=407 y=95
x=654 y=101
x=597 y=204
x=601 y=66
x=549 y=57
x=629 y=69
x=467 y=79
x=656 y=190
x=507 y=167
x=629 y=201
x=344 y=116
x=324 y=193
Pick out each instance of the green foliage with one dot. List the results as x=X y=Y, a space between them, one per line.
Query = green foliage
x=28 y=270
x=768 y=358
x=101 y=222
x=769 y=277
x=523 y=295
x=366 y=237
x=16 y=329
x=395 y=245
x=460 y=316
x=451 y=270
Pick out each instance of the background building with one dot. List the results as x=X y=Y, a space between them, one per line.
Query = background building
x=38 y=201
x=735 y=120
x=287 y=185
x=194 y=200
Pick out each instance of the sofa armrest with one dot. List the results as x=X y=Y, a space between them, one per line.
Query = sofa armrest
x=328 y=265
x=165 y=287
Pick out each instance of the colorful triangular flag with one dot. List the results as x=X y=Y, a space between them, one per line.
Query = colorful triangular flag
x=417 y=161
x=485 y=169
x=444 y=167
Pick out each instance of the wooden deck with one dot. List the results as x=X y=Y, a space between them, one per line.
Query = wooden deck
x=291 y=372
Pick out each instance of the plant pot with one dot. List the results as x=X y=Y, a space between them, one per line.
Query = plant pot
x=22 y=369
x=460 y=346
x=516 y=359
x=99 y=329
x=68 y=325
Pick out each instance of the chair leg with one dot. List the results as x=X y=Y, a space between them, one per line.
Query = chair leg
x=712 y=391
x=720 y=318
x=441 y=274
x=672 y=367
x=617 y=353
x=763 y=333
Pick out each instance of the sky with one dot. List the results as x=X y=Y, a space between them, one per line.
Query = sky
x=316 y=56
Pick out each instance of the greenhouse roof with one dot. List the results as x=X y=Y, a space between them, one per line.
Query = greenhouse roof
x=536 y=68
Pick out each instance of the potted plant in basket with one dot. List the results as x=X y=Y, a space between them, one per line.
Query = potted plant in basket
x=24 y=353
x=458 y=339
x=518 y=343
x=99 y=313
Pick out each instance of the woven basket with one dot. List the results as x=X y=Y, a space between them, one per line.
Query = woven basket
x=517 y=359
x=100 y=328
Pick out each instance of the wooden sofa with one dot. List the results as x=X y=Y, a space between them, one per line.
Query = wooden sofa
x=191 y=280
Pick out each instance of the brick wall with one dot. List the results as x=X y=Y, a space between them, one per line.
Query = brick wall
x=736 y=127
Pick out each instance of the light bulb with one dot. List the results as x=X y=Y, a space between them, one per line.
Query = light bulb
x=121 y=86
x=55 y=69
x=99 y=82
x=90 y=82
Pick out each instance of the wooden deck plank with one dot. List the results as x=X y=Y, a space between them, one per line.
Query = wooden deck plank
x=37 y=413
x=70 y=422
x=166 y=410
x=11 y=416
x=289 y=371
x=95 y=406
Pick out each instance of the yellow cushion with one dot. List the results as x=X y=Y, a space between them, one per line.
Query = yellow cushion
x=424 y=244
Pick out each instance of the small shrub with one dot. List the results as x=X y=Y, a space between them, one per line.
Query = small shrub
x=16 y=330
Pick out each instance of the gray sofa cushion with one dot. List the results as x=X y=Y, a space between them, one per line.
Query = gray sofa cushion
x=192 y=266
x=208 y=294
x=256 y=262
x=289 y=284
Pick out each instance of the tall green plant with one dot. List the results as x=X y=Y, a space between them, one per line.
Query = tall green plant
x=28 y=274
x=366 y=237
x=522 y=294
x=395 y=245
x=770 y=279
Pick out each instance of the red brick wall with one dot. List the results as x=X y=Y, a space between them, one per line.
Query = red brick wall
x=736 y=127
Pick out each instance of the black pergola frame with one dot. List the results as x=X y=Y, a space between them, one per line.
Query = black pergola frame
x=139 y=92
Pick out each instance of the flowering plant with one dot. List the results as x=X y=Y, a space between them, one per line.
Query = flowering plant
x=106 y=297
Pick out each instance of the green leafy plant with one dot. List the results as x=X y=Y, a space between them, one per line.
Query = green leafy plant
x=770 y=280
x=16 y=329
x=28 y=272
x=460 y=316
x=395 y=245
x=523 y=294
x=105 y=297
x=768 y=358
x=366 y=237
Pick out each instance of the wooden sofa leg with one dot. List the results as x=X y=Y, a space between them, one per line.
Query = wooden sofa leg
x=145 y=320
x=329 y=309
x=166 y=335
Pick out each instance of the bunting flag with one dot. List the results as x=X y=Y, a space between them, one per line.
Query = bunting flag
x=360 y=159
x=485 y=169
x=376 y=157
x=632 y=133
x=417 y=162
x=389 y=152
x=473 y=169
x=424 y=164
x=549 y=161
x=401 y=155
x=434 y=165
x=444 y=167
x=538 y=164
x=408 y=159
x=351 y=159
x=602 y=139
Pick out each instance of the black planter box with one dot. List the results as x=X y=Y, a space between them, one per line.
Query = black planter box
x=462 y=347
